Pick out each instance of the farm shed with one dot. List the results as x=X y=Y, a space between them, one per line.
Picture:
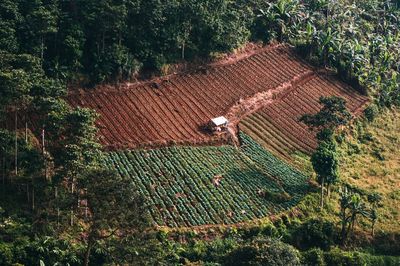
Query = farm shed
x=219 y=123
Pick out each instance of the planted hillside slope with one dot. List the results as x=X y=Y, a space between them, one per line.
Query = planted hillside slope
x=179 y=183
x=176 y=108
x=277 y=127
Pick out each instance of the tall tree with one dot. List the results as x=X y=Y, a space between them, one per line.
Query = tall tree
x=115 y=209
x=324 y=160
x=325 y=163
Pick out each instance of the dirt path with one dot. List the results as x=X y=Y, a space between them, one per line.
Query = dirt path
x=250 y=105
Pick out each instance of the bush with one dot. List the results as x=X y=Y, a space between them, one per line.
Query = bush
x=314 y=234
x=276 y=197
x=371 y=112
x=264 y=251
x=313 y=257
x=338 y=257
x=6 y=256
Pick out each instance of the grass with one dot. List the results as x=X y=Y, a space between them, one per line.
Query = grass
x=371 y=162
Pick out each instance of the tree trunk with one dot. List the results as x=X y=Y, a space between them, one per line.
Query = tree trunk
x=322 y=193
x=44 y=154
x=28 y=197
x=33 y=196
x=42 y=49
x=344 y=225
x=103 y=41
x=373 y=229
x=16 y=142
x=57 y=206
x=4 y=169
x=183 y=51
x=26 y=131
x=87 y=252
x=328 y=189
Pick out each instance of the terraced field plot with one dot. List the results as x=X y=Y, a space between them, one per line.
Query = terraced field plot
x=178 y=182
x=174 y=109
x=276 y=126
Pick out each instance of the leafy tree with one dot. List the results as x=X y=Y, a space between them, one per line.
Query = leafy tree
x=9 y=18
x=115 y=208
x=324 y=160
x=264 y=251
x=325 y=163
x=39 y=21
x=332 y=115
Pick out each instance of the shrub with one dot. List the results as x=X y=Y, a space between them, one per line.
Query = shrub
x=314 y=233
x=313 y=257
x=371 y=112
x=6 y=255
x=337 y=257
x=264 y=251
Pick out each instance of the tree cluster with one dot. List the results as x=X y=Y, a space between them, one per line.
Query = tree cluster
x=113 y=39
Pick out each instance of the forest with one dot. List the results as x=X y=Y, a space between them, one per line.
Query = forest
x=66 y=199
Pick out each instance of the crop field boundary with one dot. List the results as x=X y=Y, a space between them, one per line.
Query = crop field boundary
x=159 y=81
x=175 y=109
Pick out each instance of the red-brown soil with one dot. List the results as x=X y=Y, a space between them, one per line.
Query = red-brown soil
x=276 y=126
x=175 y=108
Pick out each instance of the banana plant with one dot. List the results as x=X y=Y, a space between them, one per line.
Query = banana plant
x=351 y=207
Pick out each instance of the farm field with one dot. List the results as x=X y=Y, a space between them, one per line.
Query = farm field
x=276 y=126
x=178 y=183
x=174 y=109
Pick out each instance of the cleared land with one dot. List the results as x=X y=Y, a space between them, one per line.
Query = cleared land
x=179 y=183
x=276 y=126
x=175 y=109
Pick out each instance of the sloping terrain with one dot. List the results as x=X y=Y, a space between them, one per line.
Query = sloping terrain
x=277 y=126
x=194 y=186
x=175 y=109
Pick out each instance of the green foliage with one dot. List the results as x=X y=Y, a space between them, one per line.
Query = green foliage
x=264 y=251
x=351 y=206
x=332 y=114
x=6 y=255
x=114 y=207
x=116 y=62
x=106 y=39
x=344 y=258
x=179 y=182
x=371 y=112
x=325 y=162
x=314 y=234
x=314 y=256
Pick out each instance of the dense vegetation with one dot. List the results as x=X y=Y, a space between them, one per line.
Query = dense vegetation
x=47 y=44
x=189 y=186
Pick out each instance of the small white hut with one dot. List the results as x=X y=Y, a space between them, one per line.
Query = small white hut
x=219 y=124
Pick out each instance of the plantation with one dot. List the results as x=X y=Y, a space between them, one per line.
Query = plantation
x=178 y=183
x=277 y=127
x=108 y=155
x=175 y=108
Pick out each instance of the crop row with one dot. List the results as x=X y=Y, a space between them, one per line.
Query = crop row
x=277 y=126
x=176 y=108
x=180 y=185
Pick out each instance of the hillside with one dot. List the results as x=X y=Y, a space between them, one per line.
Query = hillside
x=193 y=186
x=175 y=109
x=277 y=127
